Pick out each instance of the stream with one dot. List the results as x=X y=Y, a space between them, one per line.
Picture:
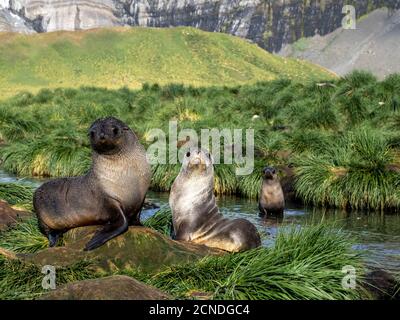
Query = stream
x=377 y=234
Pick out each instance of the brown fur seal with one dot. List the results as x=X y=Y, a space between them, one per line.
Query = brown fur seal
x=110 y=194
x=195 y=215
x=271 y=199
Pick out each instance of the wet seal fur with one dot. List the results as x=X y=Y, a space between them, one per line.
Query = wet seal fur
x=271 y=201
x=195 y=215
x=111 y=194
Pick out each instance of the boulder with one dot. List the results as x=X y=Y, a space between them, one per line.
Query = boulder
x=382 y=285
x=139 y=248
x=9 y=215
x=108 y=288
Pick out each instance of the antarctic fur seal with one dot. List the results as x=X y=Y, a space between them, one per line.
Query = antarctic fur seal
x=111 y=194
x=271 y=200
x=195 y=215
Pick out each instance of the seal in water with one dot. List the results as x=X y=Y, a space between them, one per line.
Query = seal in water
x=195 y=215
x=271 y=199
x=110 y=194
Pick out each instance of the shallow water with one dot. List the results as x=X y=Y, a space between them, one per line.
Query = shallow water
x=377 y=235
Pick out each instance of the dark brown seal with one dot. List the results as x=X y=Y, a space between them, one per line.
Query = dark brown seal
x=110 y=194
x=271 y=200
x=195 y=215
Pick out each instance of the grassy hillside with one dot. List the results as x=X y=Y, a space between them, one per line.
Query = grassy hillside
x=341 y=137
x=129 y=57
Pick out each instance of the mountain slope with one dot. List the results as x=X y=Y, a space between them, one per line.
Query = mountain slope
x=132 y=56
x=269 y=23
x=373 y=46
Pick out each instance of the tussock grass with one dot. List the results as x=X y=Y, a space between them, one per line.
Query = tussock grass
x=305 y=263
x=342 y=135
x=16 y=194
x=24 y=237
x=24 y=281
x=161 y=221
x=352 y=172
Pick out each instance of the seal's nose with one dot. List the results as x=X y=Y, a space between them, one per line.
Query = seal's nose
x=102 y=136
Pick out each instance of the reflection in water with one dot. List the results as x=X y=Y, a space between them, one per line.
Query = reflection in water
x=377 y=235
x=6 y=177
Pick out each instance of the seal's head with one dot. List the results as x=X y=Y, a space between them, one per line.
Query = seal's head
x=197 y=160
x=109 y=135
x=269 y=173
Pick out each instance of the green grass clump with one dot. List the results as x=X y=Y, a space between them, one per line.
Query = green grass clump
x=24 y=237
x=23 y=281
x=161 y=221
x=17 y=194
x=305 y=263
x=353 y=172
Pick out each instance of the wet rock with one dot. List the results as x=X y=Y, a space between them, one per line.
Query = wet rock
x=382 y=285
x=139 y=248
x=9 y=215
x=109 y=288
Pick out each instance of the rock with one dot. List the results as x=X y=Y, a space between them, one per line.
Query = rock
x=382 y=285
x=139 y=248
x=10 y=22
x=372 y=46
x=9 y=215
x=109 y=288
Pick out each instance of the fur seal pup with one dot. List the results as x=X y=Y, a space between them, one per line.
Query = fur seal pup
x=195 y=215
x=110 y=194
x=271 y=199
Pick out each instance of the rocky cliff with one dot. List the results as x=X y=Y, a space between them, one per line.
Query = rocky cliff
x=373 y=46
x=269 y=23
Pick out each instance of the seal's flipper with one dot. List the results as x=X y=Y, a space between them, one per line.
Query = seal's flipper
x=109 y=231
x=172 y=231
x=136 y=221
x=53 y=238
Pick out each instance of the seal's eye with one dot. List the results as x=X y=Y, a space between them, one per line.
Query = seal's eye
x=115 y=130
x=188 y=154
x=92 y=134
